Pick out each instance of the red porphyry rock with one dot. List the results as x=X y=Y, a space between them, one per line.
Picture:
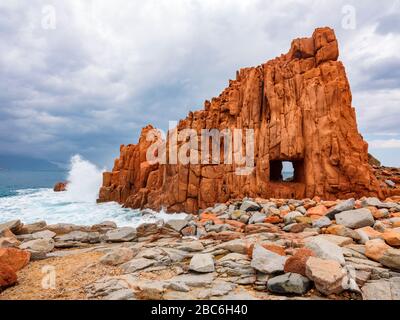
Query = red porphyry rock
x=300 y=107
x=269 y=246
x=60 y=187
x=16 y=259
x=8 y=277
x=297 y=262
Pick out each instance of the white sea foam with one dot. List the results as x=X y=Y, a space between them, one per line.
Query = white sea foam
x=84 y=180
x=77 y=205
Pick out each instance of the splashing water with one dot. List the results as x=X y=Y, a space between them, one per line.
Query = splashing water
x=84 y=180
x=77 y=205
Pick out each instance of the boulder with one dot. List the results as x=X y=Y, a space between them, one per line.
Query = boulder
x=151 y=290
x=14 y=226
x=38 y=248
x=117 y=256
x=382 y=289
x=392 y=237
x=16 y=259
x=202 y=263
x=63 y=228
x=248 y=205
x=124 y=234
x=192 y=246
x=237 y=214
x=355 y=219
x=375 y=202
x=137 y=264
x=147 y=229
x=176 y=224
x=79 y=236
x=343 y=231
x=297 y=262
x=267 y=261
x=189 y=231
x=325 y=249
x=391 y=259
x=60 y=187
x=291 y=217
x=32 y=227
x=322 y=222
x=345 y=205
x=374 y=249
x=103 y=227
x=257 y=217
x=317 y=211
x=8 y=277
x=338 y=240
x=237 y=245
x=9 y=242
x=289 y=283
x=45 y=234
x=327 y=275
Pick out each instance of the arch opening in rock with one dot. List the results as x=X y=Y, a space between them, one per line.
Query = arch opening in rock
x=286 y=171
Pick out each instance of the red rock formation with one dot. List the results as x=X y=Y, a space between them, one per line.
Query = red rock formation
x=16 y=259
x=299 y=105
x=8 y=277
x=60 y=187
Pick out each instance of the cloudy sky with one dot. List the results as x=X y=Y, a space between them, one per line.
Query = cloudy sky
x=85 y=76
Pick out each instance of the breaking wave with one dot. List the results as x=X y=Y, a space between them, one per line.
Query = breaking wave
x=77 y=205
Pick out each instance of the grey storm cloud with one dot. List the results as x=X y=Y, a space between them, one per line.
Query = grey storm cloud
x=110 y=68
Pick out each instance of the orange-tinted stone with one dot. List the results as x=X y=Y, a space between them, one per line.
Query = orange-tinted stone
x=8 y=277
x=319 y=210
x=16 y=259
x=297 y=263
x=273 y=219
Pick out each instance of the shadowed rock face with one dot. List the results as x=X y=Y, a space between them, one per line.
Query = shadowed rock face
x=299 y=106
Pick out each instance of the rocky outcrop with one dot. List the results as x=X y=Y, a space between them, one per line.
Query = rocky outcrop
x=299 y=106
x=60 y=187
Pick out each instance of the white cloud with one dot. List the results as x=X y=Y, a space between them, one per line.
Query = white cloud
x=110 y=67
x=385 y=144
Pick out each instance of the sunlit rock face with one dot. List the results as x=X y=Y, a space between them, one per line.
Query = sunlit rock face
x=299 y=106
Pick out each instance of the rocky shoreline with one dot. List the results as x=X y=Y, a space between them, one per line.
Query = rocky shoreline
x=247 y=249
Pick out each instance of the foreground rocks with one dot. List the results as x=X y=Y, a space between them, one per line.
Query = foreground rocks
x=224 y=257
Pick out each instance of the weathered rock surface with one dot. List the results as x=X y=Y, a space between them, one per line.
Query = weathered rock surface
x=325 y=249
x=289 y=283
x=8 y=277
x=16 y=259
x=327 y=275
x=117 y=256
x=123 y=234
x=60 y=186
x=355 y=218
x=267 y=261
x=300 y=108
x=38 y=248
x=297 y=262
x=384 y=289
x=202 y=262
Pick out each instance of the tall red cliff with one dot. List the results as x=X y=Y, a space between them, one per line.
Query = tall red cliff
x=299 y=106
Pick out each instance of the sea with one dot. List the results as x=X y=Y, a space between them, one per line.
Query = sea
x=29 y=197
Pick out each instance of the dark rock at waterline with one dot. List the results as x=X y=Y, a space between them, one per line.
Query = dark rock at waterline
x=60 y=186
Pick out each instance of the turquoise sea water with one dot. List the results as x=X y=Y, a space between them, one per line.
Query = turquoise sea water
x=11 y=181
x=29 y=197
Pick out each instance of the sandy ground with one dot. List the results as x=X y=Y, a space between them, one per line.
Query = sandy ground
x=72 y=274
